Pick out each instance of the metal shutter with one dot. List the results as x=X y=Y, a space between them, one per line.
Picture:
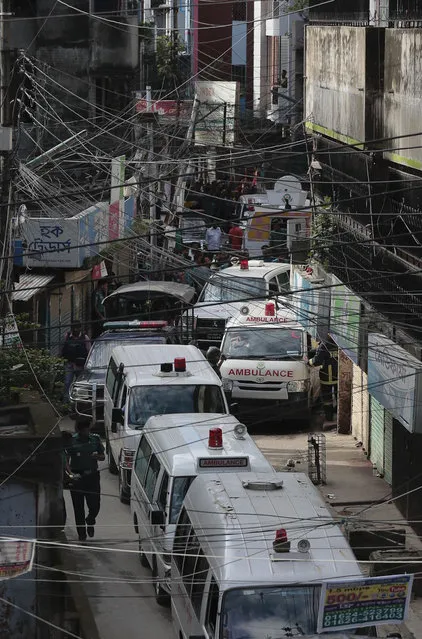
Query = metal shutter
x=377 y=435
x=388 y=447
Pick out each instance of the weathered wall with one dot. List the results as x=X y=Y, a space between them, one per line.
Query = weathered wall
x=403 y=89
x=335 y=79
x=112 y=50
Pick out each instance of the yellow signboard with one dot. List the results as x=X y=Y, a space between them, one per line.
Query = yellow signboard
x=365 y=602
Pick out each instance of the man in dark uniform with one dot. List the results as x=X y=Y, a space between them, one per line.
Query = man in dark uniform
x=83 y=455
x=326 y=357
x=214 y=356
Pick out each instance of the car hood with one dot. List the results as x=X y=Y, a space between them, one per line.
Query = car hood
x=220 y=311
x=91 y=375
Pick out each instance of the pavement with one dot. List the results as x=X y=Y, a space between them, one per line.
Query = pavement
x=119 y=590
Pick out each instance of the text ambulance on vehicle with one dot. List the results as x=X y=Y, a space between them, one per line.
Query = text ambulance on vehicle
x=173 y=450
x=266 y=362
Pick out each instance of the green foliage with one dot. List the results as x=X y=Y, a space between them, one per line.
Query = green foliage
x=322 y=236
x=24 y=324
x=146 y=31
x=168 y=51
x=299 y=5
x=16 y=373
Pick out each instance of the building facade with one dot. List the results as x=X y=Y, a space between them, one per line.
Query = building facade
x=362 y=96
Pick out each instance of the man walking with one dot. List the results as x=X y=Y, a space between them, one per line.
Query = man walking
x=83 y=456
x=326 y=356
x=75 y=351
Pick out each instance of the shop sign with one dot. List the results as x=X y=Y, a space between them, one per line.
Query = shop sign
x=345 y=319
x=52 y=243
x=346 y=605
x=395 y=380
x=16 y=557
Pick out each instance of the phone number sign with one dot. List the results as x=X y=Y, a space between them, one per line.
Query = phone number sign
x=364 y=602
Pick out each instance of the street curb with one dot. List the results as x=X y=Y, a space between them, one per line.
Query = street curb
x=83 y=608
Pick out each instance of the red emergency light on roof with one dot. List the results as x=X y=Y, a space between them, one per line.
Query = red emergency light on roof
x=269 y=309
x=179 y=365
x=244 y=266
x=215 y=438
x=281 y=542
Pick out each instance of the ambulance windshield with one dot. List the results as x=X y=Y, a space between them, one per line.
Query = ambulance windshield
x=224 y=289
x=263 y=343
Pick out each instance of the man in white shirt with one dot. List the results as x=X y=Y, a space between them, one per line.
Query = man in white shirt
x=213 y=238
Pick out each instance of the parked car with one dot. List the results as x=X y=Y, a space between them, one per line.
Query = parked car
x=87 y=391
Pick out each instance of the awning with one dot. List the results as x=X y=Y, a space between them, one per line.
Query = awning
x=30 y=285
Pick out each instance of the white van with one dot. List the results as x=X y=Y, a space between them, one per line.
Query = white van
x=173 y=450
x=151 y=380
x=249 y=556
x=227 y=291
x=265 y=368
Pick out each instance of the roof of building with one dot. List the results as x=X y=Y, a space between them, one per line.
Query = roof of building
x=184 y=439
x=248 y=520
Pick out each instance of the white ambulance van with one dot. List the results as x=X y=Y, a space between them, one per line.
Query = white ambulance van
x=249 y=556
x=227 y=291
x=172 y=451
x=148 y=380
x=266 y=355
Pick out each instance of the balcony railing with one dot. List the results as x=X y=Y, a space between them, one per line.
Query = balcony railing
x=354 y=19
x=409 y=19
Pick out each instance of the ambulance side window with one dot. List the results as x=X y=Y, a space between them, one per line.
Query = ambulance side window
x=212 y=607
x=151 y=476
x=123 y=397
x=181 y=536
x=309 y=343
x=273 y=286
x=142 y=459
x=284 y=281
x=162 y=495
x=111 y=377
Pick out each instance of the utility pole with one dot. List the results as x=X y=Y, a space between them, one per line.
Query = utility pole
x=151 y=173
x=179 y=193
x=5 y=132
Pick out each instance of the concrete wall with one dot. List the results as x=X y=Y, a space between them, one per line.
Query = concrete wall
x=335 y=80
x=403 y=90
x=113 y=50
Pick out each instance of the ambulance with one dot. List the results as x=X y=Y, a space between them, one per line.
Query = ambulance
x=172 y=451
x=265 y=368
x=250 y=555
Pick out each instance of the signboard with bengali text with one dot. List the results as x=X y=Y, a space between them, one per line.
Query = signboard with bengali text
x=365 y=602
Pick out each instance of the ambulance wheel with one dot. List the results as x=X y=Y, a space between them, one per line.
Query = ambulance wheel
x=112 y=467
x=142 y=557
x=161 y=596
